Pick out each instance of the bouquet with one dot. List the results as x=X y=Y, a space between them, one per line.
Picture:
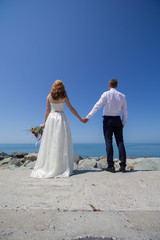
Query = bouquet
x=37 y=131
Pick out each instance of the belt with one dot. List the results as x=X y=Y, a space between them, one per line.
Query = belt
x=111 y=116
x=56 y=111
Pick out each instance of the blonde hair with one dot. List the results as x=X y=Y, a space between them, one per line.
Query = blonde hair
x=58 y=90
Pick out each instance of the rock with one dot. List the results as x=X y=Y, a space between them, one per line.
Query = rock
x=102 y=163
x=130 y=157
x=31 y=156
x=116 y=164
x=131 y=162
x=87 y=164
x=26 y=162
x=18 y=155
x=6 y=161
x=148 y=164
x=10 y=161
x=131 y=166
x=29 y=165
x=3 y=155
x=75 y=167
x=96 y=158
x=22 y=160
x=144 y=164
x=77 y=158
x=116 y=160
x=16 y=162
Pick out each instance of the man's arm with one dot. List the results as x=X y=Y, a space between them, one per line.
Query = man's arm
x=124 y=111
x=97 y=106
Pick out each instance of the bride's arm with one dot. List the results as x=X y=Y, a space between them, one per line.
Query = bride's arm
x=48 y=109
x=73 y=110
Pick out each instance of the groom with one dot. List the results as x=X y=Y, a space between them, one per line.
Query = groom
x=115 y=103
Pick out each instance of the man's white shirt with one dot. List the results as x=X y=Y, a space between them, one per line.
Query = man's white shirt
x=115 y=104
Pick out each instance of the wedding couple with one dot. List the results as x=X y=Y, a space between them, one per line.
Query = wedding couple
x=55 y=157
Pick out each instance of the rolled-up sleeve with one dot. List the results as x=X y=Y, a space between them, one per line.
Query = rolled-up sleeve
x=97 y=106
x=124 y=111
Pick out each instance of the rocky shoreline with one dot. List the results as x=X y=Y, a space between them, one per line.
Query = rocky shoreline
x=27 y=160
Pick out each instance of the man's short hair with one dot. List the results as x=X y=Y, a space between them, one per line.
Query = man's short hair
x=113 y=83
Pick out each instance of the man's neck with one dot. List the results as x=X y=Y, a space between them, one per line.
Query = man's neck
x=112 y=88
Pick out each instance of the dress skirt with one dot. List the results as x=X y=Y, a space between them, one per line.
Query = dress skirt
x=55 y=157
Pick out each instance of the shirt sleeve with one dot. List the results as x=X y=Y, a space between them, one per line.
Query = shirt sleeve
x=97 y=106
x=124 y=111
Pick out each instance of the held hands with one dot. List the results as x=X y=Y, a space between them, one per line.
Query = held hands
x=84 y=120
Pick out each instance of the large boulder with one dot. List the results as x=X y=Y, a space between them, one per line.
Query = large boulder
x=116 y=163
x=18 y=155
x=75 y=167
x=10 y=162
x=29 y=164
x=102 y=163
x=87 y=164
x=132 y=162
x=5 y=161
x=77 y=158
x=3 y=155
x=31 y=156
x=16 y=162
x=148 y=164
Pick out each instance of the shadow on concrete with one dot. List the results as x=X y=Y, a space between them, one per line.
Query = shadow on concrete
x=95 y=238
x=77 y=172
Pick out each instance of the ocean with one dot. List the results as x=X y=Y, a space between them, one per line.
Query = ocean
x=92 y=149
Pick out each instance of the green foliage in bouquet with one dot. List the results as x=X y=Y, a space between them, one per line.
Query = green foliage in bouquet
x=37 y=131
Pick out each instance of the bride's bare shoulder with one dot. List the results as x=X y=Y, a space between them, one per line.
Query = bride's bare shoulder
x=49 y=97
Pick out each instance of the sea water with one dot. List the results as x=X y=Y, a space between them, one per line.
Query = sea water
x=92 y=149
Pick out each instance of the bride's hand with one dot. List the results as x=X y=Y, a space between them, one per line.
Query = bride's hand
x=84 y=120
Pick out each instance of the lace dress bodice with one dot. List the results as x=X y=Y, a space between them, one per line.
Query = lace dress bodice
x=56 y=106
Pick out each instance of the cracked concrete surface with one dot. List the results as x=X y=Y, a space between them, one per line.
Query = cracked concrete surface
x=60 y=209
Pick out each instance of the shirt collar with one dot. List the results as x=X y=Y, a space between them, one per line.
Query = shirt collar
x=113 y=89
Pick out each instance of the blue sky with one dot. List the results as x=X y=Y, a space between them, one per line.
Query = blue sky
x=84 y=43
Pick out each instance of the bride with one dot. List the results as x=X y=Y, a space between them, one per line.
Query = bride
x=55 y=157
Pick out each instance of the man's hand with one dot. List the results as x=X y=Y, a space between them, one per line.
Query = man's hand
x=85 y=120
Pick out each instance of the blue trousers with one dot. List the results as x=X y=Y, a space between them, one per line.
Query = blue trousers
x=113 y=125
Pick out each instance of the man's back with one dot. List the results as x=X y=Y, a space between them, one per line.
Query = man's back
x=114 y=102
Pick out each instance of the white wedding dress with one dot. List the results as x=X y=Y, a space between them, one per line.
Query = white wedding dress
x=55 y=157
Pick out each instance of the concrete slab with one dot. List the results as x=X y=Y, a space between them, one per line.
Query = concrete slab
x=60 y=209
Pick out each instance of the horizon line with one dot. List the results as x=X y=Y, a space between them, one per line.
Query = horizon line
x=91 y=143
